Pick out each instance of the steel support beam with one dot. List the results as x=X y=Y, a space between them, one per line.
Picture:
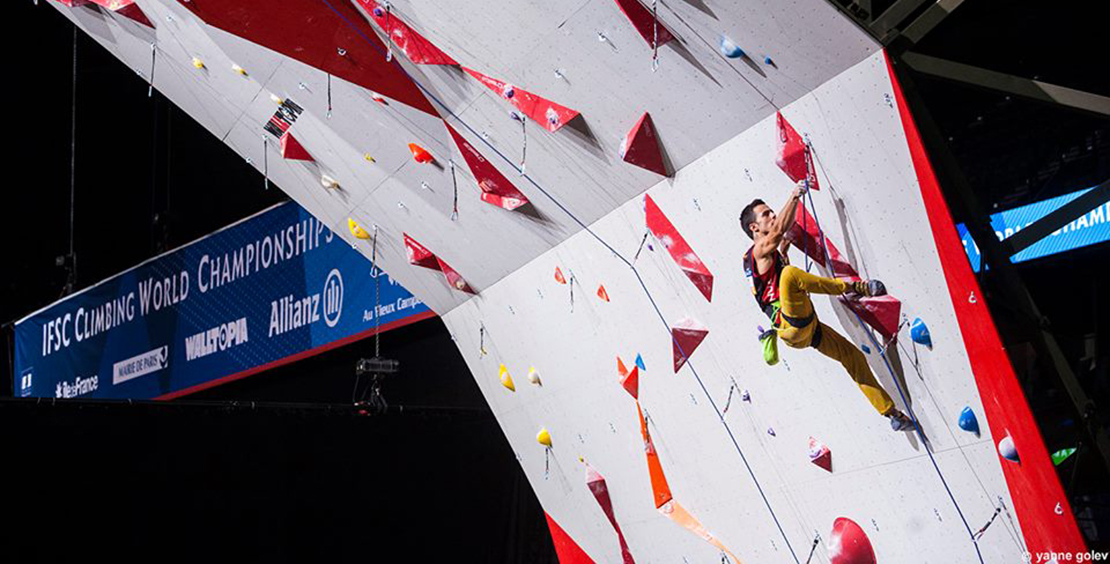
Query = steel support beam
x=930 y=19
x=1009 y=84
x=893 y=16
x=966 y=204
x=1060 y=217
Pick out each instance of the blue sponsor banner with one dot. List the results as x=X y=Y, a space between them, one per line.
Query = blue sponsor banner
x=269 y=289
x=1090 y=228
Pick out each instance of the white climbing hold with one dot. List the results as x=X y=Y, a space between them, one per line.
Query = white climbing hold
x=1007 y=449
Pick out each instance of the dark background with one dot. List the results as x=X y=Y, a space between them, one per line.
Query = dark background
x=214 y=476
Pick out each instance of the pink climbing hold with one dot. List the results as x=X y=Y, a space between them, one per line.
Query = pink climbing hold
x=419 y=255
x=793 y=156
x=645 y=22
x=686 y=335
x=641 y=146
x=848 y=544
x=662 y=229
x=496 y=189
x=549 y=114
x=598 y=487
x=415 y=46
x=292 y=149
x=820 y=454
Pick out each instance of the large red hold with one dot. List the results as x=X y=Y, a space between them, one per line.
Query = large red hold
x=596 y=483
x=566 y=549
x=496 y=189
x=292 y=149
x=415 y=46
x=793 y=156
x=648 y=24
x=686 y=335
x=662 y=229
x=419 y=255
x=848 y=544
x=547 y=113
x=641 y=146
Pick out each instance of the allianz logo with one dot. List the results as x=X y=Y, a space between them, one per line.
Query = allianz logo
x=217 y=339
x=289 y=312
x=79 y=387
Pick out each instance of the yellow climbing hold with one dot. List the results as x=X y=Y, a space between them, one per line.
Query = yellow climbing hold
x=239 y=70
x=506 y=380
x=198 y=63
x=534 y=376
x=543 y=437
x=369 y=158
x=357 y=230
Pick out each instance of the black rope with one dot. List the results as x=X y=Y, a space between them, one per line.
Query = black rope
x=377 y=297
x=329 y=95
x=265 y=163
x=455 y=184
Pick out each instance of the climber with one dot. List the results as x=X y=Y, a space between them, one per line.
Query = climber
x=782 y=292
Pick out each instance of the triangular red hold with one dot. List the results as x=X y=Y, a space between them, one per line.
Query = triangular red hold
x=134 y=12
x=820 y=454
x=686 y=335
x=292 y=149
x=549 y=114
x=631 y=382
x=793 y=156
x=566 y=549
x=415 y=46
x=662 y=229
x=496 y=189
x=645 y=22
x=881 y=312
x=641 y=146
x=454 y=279
x=418 y=255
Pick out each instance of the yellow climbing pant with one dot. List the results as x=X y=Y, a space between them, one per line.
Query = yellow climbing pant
x=795 y=286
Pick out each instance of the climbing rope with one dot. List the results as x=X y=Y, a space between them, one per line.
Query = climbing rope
x=329 y=96
x=153 y=58
x=455 y=186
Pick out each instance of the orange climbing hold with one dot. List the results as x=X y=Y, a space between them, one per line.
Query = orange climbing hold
x=420 y=154
x=659 y=488
x=601 y=293
x=559 y=276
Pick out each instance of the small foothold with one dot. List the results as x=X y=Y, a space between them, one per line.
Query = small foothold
x=745 y=396
x=400 y=205
x=559 y=74
x=506 y=380
x=1007 y=449
x=420 y=154
x=866 y=349
x=378 y=98
x=370 y=158
x=971 y=298
x=601 y=293
x=508 y=91
x=239 y=70
x=425 y=186
x=968 y=421
x=919 y=332
x=601 y=37
x=768 y=61
x=342 y=52
x=357 y=229
x=198 y=63
x=1061 y=455
x=730 y=49
x=640 y=362
x=559 y=276
x=534 y=376
x=771 y=431
x=378 y=12
x=543 y=437
x=276 y=99
x=302 y=86
x=328 y=182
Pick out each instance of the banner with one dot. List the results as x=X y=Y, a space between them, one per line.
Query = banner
x=1088 y=229
x=270 y=289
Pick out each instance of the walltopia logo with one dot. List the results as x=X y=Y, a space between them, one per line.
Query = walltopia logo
x=219 y=338
x=79 y=387
x=289 y=313
x=141 y=365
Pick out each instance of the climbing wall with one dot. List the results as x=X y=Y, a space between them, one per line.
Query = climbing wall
x=562 y=182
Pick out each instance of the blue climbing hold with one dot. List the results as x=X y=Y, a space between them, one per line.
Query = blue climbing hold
x=919 y=332
x=640 y=362
x=730 y=49
x=768 y=61
x=968 y=421
x=866 y=349
x=378 y=12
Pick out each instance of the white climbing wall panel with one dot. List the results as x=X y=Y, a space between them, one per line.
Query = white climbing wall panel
x=743 y=472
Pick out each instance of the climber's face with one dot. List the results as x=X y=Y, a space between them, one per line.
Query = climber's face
x=764 y=220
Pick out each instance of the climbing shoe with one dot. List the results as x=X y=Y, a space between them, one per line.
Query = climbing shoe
x=899 y=421
x=868 y=288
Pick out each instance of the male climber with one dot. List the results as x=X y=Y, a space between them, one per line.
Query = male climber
x=782 y=292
